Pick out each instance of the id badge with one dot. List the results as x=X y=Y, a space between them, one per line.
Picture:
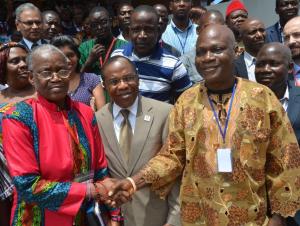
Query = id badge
x=224 y=160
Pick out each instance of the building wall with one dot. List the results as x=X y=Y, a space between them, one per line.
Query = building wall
x=261 y=9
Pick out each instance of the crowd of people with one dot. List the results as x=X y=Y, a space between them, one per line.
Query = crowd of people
x=149 y=115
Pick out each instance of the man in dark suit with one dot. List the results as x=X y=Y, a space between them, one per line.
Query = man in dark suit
x=253 y=36
x=145 y=133
x=274 y=68
x=29 y=24
x=286 y=10
x=292 y=40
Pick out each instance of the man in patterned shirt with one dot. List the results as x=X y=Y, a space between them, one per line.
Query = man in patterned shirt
x=232 y=143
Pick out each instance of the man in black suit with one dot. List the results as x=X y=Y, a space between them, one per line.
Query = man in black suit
x=29 y=23
x=286 y=10
x=274 y=68
x=253 y=36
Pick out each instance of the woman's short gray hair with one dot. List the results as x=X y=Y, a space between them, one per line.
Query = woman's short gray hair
x=42 y=49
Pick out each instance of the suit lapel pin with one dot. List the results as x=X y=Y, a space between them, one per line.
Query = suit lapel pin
x=147 y=118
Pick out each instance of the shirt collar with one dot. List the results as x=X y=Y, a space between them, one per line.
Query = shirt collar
x=248 y=59
x=133 y=108
x=120 y=36
x=175 y=27
x=279 y=26
x=30 y=43
x=156 y=55
x=286 y=95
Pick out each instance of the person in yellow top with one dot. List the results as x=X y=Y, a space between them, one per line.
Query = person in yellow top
x=232 y=144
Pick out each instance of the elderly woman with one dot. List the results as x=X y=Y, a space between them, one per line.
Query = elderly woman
x=83 y=87
x=14 y=73
x=53 y=149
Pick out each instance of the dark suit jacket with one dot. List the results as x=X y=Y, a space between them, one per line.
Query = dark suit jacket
x=240 y=69
x=293 y=110
x=24 y=43
x=273 y=33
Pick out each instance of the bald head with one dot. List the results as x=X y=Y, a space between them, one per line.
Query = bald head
x=211 y=17
x=273 y=65
x=246 y=25
x=160 y=7
x=276 y=48
x=145 y=9
x=51 y=13
x=124 y=61
x=295 y=20
x=98 y=10
x=216 y=31
x=215 y=56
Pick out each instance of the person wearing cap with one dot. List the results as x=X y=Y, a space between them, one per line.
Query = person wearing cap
x=286 y=10
x=236 y=14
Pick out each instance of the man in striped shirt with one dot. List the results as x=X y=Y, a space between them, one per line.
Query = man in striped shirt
x=162 y=75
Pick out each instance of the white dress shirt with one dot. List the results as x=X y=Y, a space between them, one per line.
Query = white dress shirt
x=250 y=65
x=285 y=99
x=118 y=117
x=121 y=37
x=30 y=43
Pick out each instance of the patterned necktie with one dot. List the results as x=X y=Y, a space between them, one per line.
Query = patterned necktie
x=34 y=45
x=125 y=134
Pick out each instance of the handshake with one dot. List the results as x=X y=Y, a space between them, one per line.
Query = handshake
x=112 y=192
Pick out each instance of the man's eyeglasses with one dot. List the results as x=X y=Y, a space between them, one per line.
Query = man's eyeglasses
x=31 y=22
x=127 y=79
x=49 y=74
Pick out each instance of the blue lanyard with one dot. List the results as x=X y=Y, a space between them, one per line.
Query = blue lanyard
x=186 y=36
x=223 y=132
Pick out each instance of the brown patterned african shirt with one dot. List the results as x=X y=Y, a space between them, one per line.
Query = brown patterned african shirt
x=265 y=156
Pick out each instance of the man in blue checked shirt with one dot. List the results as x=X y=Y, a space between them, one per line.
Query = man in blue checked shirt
x=181 y=32
x=162 y=75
